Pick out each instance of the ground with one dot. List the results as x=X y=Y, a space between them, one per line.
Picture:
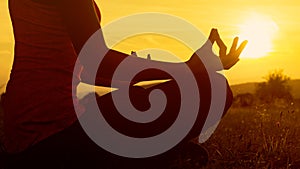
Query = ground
x=260 y=136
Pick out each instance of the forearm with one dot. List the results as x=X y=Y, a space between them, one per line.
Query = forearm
x=113 y=59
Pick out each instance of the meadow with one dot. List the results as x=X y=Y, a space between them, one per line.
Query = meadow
x=259 y=136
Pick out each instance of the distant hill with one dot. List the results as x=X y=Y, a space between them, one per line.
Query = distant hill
x=250 y=88
x=295 y=84
x=243 y=88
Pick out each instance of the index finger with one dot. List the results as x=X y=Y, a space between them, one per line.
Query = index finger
x=222 y=46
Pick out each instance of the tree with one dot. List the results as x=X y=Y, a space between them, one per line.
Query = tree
x=275 y=88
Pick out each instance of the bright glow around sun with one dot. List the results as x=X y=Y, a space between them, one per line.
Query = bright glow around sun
x=259 y=30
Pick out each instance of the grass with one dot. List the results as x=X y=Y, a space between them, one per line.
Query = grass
x=261 y=136
x=257 y=137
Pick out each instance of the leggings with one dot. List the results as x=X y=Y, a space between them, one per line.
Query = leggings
x=72 y=148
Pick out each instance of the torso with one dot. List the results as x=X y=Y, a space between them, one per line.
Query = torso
x=39 y=100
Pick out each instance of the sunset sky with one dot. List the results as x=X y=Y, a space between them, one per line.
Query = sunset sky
x=271 y=26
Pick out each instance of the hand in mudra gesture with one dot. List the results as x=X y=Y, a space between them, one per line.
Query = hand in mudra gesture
x=230 y=59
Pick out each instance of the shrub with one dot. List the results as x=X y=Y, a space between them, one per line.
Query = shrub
x=275 y=88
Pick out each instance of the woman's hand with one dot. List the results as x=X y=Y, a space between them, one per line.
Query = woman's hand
x=230 y=59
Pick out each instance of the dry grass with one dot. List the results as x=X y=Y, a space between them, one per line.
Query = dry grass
x=257 y=137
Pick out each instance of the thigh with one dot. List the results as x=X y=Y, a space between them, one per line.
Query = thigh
x=139 y=98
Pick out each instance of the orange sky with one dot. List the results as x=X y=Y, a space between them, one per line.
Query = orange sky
x=227 y=16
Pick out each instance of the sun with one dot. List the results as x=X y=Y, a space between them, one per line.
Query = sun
x=259 y=30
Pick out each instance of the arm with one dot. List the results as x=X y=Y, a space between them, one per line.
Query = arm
x=81 y=25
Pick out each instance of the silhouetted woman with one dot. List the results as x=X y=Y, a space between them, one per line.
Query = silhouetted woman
x=41 y=126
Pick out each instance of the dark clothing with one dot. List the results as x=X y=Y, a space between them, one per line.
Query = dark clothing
x=72 y=148
x=39 y=100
